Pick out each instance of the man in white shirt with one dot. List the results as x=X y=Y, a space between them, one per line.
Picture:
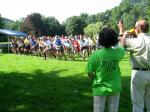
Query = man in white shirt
x=140 y=60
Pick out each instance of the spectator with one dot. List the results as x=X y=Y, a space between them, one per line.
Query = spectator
x=103 y=69
x=140 y=60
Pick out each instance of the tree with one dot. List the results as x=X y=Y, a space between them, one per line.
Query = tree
x=1 y=22
x=84 y=17
x=16 y=25
x=33 y=24
x=92 y=30
x=53 y=27
x=89 y=30
x=92 y=19
x=75 y=25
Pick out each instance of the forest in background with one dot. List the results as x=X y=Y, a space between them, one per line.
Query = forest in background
x=37 y=24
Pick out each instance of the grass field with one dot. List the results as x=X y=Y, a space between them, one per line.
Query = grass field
x=30 y=84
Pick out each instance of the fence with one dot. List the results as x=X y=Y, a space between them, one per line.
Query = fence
x=4 y=47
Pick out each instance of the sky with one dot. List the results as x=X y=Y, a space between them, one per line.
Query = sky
x=60 y=9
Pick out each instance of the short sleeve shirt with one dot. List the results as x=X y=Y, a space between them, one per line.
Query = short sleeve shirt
x=139 y=50
x=104 y=63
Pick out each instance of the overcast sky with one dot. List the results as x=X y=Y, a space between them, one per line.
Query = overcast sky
x=60 y=9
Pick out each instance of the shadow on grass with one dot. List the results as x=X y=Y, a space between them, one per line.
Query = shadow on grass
x=48 y=92
x=44 y=92
x=125 y=99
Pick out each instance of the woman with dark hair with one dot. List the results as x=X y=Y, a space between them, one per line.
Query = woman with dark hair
x=103 y=69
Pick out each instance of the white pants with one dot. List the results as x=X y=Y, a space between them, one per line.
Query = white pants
x=112 y=100
x=140 y=90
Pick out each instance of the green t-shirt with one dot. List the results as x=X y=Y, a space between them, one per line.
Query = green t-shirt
x=104 y=63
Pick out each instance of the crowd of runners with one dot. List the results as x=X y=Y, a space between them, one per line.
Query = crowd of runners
x=61 y=47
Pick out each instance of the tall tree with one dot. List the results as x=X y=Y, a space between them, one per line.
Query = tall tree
x=84 y=17
x=75 y=25
x=92 y=30
x=33 y=24
x=53 y=27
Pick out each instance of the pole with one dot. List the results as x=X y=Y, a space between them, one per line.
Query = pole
x=8 y=43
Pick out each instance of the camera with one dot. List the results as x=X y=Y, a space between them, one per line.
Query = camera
x=132 y=33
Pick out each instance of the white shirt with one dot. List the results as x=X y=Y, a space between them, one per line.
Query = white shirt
x=139 y=50
x=47 y=43
x=86 y=42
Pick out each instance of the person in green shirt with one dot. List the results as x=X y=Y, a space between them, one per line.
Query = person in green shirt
x=103 y=69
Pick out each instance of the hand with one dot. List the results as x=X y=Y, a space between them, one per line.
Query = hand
x=123 y=39
x=120 y=27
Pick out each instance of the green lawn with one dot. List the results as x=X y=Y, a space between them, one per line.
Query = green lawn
x=30 y=84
